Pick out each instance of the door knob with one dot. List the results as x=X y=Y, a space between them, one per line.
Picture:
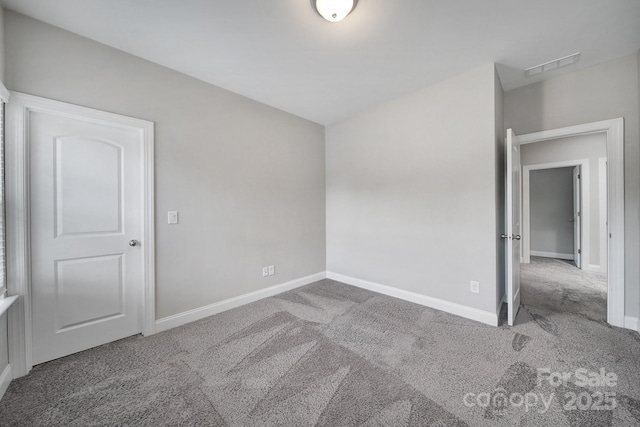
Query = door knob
x=133 y=243
x=504 y=236
x=517 y=237
x=571 y=220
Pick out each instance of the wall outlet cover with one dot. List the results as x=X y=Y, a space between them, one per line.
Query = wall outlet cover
x=474 y=287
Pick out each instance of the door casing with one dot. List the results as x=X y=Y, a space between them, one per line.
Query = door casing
x=577 y=215
x=526 y=205
x=614 y=132
x=18 y=214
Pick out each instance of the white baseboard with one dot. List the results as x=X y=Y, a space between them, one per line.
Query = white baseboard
x=486 y=317
x=631 y=323
x=180 y=319
x=5 y=380
x=552 y=255
x=595 y=268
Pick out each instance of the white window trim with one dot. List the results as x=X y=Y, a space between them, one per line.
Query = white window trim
x=4 y=93
x=4 y=97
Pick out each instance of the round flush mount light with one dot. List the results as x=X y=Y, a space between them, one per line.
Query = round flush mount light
x=334 y=10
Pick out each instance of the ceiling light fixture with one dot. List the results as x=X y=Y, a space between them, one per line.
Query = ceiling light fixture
x=334 y=10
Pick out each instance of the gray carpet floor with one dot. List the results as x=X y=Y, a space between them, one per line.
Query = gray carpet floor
x=329 y=354
x=559 y=285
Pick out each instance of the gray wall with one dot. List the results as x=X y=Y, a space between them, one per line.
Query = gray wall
x=551 y=201
x=584 y=147
x=4 y=345
x=247 y=179
x=1 y=44
x=600 y=92
x=411 y=192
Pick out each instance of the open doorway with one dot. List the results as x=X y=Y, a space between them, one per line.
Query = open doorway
x=613 y=218
x=565 y=225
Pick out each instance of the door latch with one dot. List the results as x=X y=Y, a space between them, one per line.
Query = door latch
x=513 y=236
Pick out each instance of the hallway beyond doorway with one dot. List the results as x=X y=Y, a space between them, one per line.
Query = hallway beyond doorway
x=558 y=285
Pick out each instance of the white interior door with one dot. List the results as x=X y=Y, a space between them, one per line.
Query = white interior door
x=86 y=219
x=577 y=217
x=512 y=236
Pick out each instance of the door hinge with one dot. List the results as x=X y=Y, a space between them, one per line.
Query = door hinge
x=579 y=251
x=579 y=213
x=578 y=176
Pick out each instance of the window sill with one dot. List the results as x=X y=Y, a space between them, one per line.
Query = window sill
x=6 y=302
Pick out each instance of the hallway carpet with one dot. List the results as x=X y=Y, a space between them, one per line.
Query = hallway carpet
x=329 y=354
x=559 y=285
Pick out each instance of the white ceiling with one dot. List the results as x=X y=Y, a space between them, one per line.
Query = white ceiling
x=281 y=53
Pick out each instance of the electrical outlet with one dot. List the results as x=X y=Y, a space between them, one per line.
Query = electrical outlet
x=474 y=287
x=272 y=270
x=265 y=271
x=172 y=217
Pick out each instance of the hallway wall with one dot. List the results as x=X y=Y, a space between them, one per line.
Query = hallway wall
x=605 y=91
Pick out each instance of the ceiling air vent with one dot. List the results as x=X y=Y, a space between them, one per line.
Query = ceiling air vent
x=552 y=65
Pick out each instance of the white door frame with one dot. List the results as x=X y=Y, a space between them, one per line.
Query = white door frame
x=526 y=205
x=614 y=132
x=576 y=180
x=18 y=215
x=602 y=206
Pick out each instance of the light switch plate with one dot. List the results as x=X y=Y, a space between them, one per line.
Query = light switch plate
x=173 y=217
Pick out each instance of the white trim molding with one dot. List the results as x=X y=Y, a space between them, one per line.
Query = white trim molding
x=602 y=213
x=186 y=317
x=614 y=131
x=6 y=302
x=481 y=316
x=585 y=231
x=526 y=208
x=596 y=268
x=180 y=319
x=148 y=229
x=5 y=380
x=556 y=255
x=631 y=323
x=18 y=216
x=4 y=93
